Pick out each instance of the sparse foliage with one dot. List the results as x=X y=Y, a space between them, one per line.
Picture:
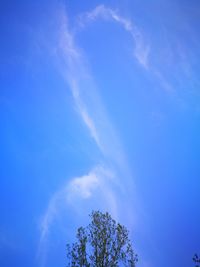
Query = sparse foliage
x=196 y=259
x=103 y=243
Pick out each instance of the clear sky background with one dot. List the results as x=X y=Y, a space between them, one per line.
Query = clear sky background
x=100 y=109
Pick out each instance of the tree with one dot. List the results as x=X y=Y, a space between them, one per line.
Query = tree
x=196 y=259
x=103 y=243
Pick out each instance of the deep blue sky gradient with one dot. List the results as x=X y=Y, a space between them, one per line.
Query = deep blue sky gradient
x=155 y=112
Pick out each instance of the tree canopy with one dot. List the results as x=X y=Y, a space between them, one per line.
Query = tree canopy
x=103 y=243
x=196 y=259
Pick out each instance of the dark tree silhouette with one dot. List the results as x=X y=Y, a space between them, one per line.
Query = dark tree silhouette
x=196 y=259
x=103 y=243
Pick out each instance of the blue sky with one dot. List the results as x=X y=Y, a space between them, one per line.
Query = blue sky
x=99 y=110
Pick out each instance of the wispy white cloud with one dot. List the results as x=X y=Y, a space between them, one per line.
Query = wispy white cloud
x=83 y=111
x=75 y=70
x=163 y=81
x=96 y=185
x=84 y=186
x=141 y=47
x=45 y=224
x=80 y=194
x=102 y=187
